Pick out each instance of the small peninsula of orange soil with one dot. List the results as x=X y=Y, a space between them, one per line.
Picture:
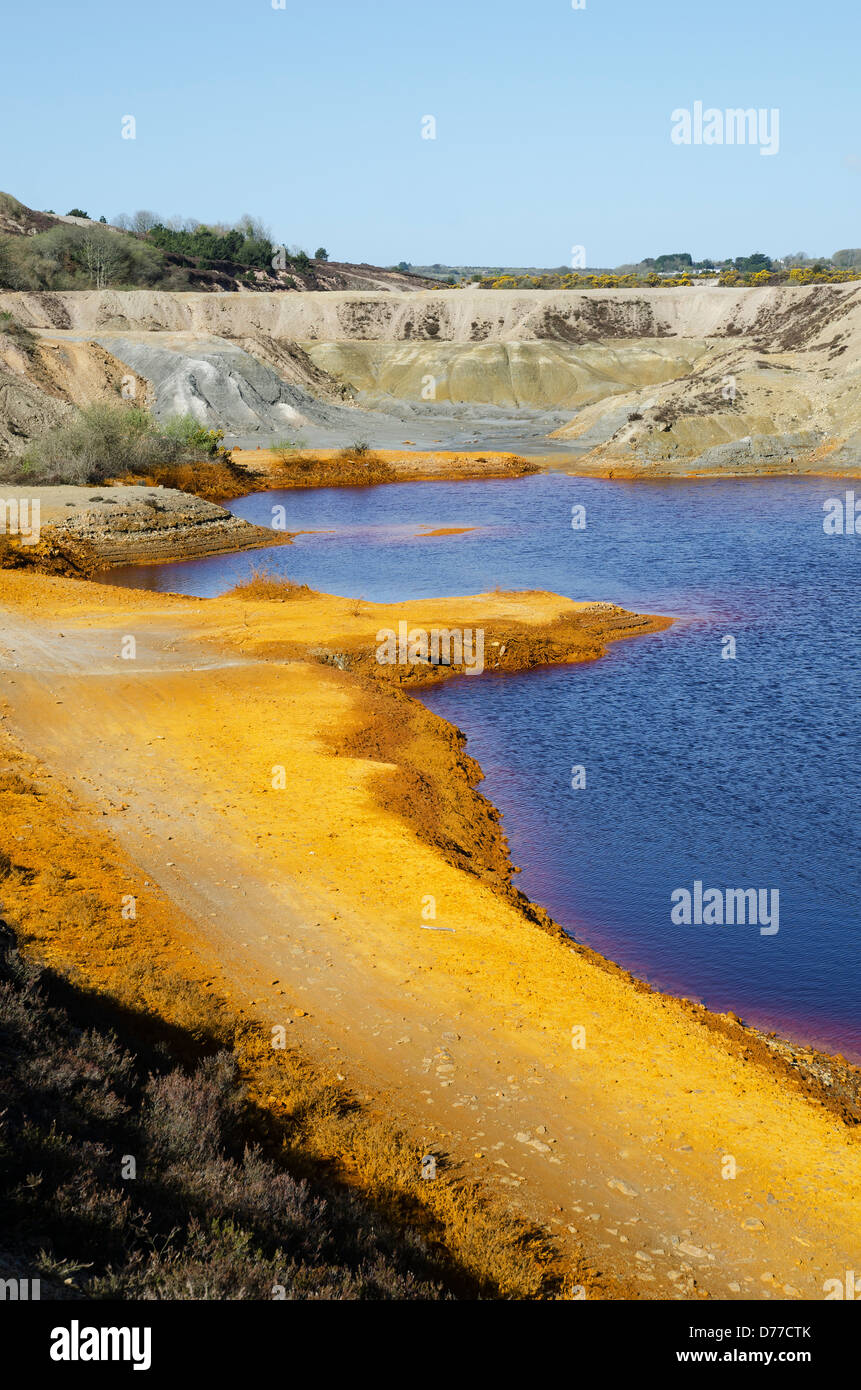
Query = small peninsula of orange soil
x=359 y=467
x=322 y=857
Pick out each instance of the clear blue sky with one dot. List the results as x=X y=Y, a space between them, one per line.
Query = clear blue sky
x=553 y=125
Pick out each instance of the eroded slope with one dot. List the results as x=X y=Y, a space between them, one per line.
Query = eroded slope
x=643 y=382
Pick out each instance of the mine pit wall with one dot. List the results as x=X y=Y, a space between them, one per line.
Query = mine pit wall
x=790 y=317
x=538 y=376
x=664 y=356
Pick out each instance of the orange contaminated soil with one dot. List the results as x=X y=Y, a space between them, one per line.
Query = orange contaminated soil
x=623 y=474
x=445 y=531
x=317 y=834
x=68 y=874
x=627 y=468
x=349 y=468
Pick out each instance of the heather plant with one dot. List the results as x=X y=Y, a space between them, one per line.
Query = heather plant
x=203 y=1212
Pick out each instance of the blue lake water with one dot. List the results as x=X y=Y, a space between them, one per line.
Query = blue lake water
x=737 y=773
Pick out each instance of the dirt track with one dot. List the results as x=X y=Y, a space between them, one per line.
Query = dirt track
x=618 y=1146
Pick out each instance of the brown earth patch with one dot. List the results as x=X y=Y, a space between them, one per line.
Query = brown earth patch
x=445 y=531
x=352 y=468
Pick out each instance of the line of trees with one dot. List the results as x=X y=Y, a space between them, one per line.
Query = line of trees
x=72 y=257
x=240 y=245
x=247 y=243
x=144 y=250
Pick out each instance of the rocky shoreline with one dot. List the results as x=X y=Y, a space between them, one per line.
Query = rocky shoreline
x=127 y=525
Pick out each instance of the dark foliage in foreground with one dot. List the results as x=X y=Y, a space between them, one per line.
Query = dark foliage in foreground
x=208 y=1215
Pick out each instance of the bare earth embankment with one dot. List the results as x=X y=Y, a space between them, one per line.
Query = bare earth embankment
x=628 y=383
x=95 y=528
x=345 y=468
x=299 y=818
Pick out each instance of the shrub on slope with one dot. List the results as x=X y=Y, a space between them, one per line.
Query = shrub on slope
x=110 y=440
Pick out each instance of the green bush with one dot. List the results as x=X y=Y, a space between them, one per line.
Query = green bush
x=68 y=258
x=143 y=253
x=109 y=440
x=206 y=246
x=193 y=438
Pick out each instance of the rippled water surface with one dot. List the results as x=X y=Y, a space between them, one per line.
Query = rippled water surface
x=738 y=773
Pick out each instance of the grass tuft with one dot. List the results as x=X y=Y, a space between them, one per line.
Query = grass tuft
x=267 y=584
